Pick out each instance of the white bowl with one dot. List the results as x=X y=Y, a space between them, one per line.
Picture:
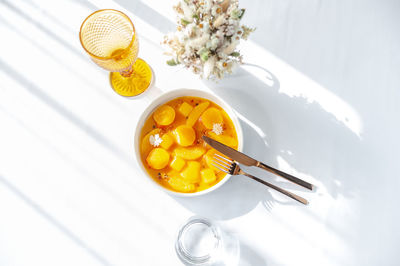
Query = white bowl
x=168 y=96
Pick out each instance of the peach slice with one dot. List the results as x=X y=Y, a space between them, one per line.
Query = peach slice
x=191 y=153
x=191 y=173
x=167 y=141
x=227 y=140
x=185 y=108
x=177 y=163
x=164 y=115
x=196 y=113
x=181 y=185
x=208 y=175
x=185 y=135
x=210 y=117
x=158 y=158
x=146 y=146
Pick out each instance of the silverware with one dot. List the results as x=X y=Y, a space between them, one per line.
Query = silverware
x=230 y=167
x=248 y=161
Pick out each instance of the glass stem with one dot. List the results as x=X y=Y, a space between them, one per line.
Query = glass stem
x=128 y=72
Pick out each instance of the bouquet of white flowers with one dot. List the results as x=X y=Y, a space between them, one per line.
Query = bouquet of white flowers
x=207 y=35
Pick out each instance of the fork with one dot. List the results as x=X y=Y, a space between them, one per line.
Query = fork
x=229 y=166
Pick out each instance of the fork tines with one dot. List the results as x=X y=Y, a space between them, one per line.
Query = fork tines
x=224 y=164
x=229 y=166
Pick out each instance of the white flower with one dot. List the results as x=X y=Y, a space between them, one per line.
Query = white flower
x=155 y=140
x=209 y=66
x=213 y=43
x=190 y=30
x=230 y=30
x=208 y=33
x=215 y=10
x=217 y=128
x=220 y=65
x=199 y=42
x=208 y=5
x=206 y=27
x=187 y=11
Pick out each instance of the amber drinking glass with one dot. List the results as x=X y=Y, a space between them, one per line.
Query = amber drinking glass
x=109 y=37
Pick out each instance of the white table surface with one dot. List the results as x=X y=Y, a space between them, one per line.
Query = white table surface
x=319 y=98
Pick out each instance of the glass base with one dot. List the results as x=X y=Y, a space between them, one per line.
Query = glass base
x=136 y=84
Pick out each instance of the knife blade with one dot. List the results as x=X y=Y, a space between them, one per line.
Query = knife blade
x=248 y=161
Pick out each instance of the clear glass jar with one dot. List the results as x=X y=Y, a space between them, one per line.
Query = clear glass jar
x=202 y=242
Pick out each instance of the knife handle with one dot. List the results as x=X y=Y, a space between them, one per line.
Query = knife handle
x=283 y=191
x=291 y=178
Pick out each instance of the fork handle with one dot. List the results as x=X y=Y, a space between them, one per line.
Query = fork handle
x=291 y=178
x=283 y=191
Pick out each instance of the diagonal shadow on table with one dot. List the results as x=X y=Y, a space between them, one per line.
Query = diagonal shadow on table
x=280 y=129
x=54 y=221
x=59 y=59
x=54 y=18
x=304 y=125
x=79 y=167
x=249 y=257
x=43 y=28
x=86 y=127
x=149 y=15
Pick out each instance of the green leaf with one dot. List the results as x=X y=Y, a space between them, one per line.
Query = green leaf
x=241 y=13
x=172 y=62
x=204 y=57
x=237 y=13
x=196 y=16
x=235 y=54
x=184 y=21
x=204 y=53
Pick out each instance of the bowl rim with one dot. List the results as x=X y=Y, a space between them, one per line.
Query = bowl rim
x=168 y=96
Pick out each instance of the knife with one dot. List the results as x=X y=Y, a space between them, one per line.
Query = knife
x=248 y=161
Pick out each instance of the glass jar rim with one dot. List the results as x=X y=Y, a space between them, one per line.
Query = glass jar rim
x=182 y=252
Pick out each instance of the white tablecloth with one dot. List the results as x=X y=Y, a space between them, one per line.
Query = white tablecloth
x=319 y=98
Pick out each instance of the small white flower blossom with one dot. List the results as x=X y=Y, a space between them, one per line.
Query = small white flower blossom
x=217 y=128
x=155 y=140
x=213 y=43
x=208 y=34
